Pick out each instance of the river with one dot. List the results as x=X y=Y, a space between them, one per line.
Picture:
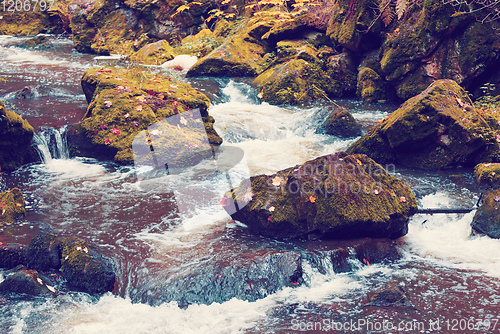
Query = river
x=177 y=230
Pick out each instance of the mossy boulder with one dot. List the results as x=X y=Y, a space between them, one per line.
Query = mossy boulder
x=85 y=268
x=16 y=136
x=435 y=129
x=125 y=102
x=153 y=54
x=340 y=123
x=24 y=23
x=351 y=25
x=293 y=82
x=26 y=282
x=334 y=196
x=487 y=217
x=237 y=56
x=370 y=86
x=343 y=71
x=12 y=206
x=488 y=174
x=199 y=45
x=12 y=255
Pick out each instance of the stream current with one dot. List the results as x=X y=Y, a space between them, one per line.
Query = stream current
x=178 y=229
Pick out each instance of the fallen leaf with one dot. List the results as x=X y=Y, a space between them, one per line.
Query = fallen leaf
x=277 y=181
x=138 y=108
x=271 y=209
x=108 y=103
x=107 y=141
x=39 y=280
x=402 y=199
x=19 y=204
x=51 y=288
x=312 y=199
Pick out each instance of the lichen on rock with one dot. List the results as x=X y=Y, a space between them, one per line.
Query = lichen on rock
x=12 y=206
x=16 y=136
x=153 y=54
x=435 y=129
x=124 y=102
x=487 y=217
x=335 y=196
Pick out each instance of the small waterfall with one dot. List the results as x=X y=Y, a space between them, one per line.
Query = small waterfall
x=52 y=144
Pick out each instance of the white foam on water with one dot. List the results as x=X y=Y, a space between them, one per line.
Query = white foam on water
x=73 y=168
x=446 y=238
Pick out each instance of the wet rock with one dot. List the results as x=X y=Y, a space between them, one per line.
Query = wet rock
x=29 y=92
x=153 y=54
x=12 y=255
x=294 y=82
x=488 y=174
x=340 y=123
x=235 y=57
x=12 y=206
x=370 y=86
x=249 y=277
x=394 y=296
x=16 y=137
x=83 y=267
x=334 y=196
x=199 y=45
x=119 y=111
x=44 y=252
x=370 y=251
x=435 y=129
x=26 y=282
x=350 y=25
x=23 y=23
x=342 y=69
x=37 y=43
x=487 y=217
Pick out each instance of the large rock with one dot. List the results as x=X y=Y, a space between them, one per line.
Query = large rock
x=237 y=56
x=28 y=22
x=437 y=128
x=16 y=136
x=342 y=69
x=123 y=103
x=351 y=25
x=335 y=196
x=153 y=54
x=487 y=217
x=12 y=206
x=293 y=82
x=85 y=268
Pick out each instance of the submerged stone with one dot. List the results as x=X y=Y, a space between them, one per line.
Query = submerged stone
x=12 y=255
x=25 y=282
x=334 y=196
x=394 y=296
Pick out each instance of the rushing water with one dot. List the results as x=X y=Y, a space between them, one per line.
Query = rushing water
x=175 y=229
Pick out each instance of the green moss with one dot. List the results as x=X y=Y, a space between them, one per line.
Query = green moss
x=370 y=86
x=153 y=54
x=435 y=129
x=199 y=45
x=16 y=136
x=294 y=82
x=338 y=195
x=126 y=102
x=488 y=173
x=12 y=206
x=24 y=23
